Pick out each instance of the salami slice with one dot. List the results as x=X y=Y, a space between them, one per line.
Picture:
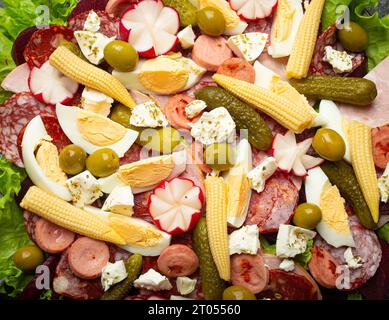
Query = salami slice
x=367 y=247
x=20 y=44
x=87 y=5
x=55 y=131
x=65 y=283
x=44 y=42
x=15 y=113
x=109 y=25
x=275 y=205
x=141 y=207
x=30 y=221
x=132 y=155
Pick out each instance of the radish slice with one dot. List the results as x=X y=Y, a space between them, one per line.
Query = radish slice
x=50 y=86
x=175 y=205
x=253 y=9
x=17 y=80
x=150 y=28
x=291 y=156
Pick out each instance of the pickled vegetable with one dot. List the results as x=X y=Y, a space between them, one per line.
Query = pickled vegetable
x=102 y=162
x=27 y=258
x=342 y=175
x=354 y=38
x=211 y=21
x=72 y=159
x=121 y=56
x=219 y=156
x=186 y=10
x=213 y=286
x=120 y=290
x=245 y=117
x=238 y=293
x=73 y=48
x=307 y=216
x=355 y=91
x=329 y=144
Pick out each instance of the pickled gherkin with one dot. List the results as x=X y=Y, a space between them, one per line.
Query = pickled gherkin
x=120 y=290
x=213 y=286
x=245 y=117
x=186 y=10
x=342 y=175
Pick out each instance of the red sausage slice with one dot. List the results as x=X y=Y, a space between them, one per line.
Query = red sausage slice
x=210 y=52
x=380 y=140
x=52 y=238
x=323 y=267
x=249 y=271
x=177 y=260
x=87 y=257
x=237 y=68
x=175 y=111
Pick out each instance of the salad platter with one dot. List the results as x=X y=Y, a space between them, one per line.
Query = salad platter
x=194 y=150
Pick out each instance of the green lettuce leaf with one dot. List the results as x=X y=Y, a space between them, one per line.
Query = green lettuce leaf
x=46 y=295
x=354 y=295
x=306 y=256
x=383 y=232
x=13 y=234
x=329 y=14
x=266 y=246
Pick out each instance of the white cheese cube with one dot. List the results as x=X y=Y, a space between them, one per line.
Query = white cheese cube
x=185 y=285
x=194 y=108
x=292 y=240
x=153 y=280
x=113 y=273
x=352 y=261
x=148 y=115
x=95 y=101
x=216 y=126
x=186 y=37
x=120 y=200
x=287 y=265
x=383 y=185
x=258 y=176
x=244 y=240
x=84 y=188
x=92 y=45
x=92 y=22
x=248 y=46
x=341 y=61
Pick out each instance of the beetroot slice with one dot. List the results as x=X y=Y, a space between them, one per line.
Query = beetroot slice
x=87 y=5
x=20 y=43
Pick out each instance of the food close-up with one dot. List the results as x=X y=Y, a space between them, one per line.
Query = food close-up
x=194 y=150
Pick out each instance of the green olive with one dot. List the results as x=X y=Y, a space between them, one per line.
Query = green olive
x=163 y=140
x=238 y=293
x=121 y=114
x=354 y=38
x=27 y=258
x=72 y=159
x=329 y=144
x=211 y=21
x=102 y=162
x=219 y=156
x=307 y=216
x=121 y=56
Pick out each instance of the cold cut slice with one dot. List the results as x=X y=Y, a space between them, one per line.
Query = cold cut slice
x=20 y=44
x=210 y=52
x=178 y=260
x=141 y=206
x=323 y=267
x=87 y=257
x=52 y=238
x=237 y=68
x=132 y=155
x=86 y=6
x=54 y=130
x=274 y=205
x=380 y=140
x=30 y=220
x=175 y=112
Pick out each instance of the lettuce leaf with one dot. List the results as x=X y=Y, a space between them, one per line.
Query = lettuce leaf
x=13 y=234
x=383 y=232
x=354 y=295
x=306 y=256
x=329 y=14
x=266 y=246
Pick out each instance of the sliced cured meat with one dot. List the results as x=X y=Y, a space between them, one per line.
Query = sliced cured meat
x=109 y=25
x=87 y=257
x=323 y=267
x=175 y=112
x=210 y=52
x=55 y=131
x=132 y=154
x=237 y=68
x=177 y=260
x=141 y=206
x=367 y=247
x=118 y=7
x=116 y=253
x=52 y=238
x=86 y=6
x=193 y=172
x=67 y=284
x=274 y=205
x=15 y=113
x=249 y=271
x=76 y=100
x=380 y=140
x=30 y=221
x=20 y=44
x=44 y=42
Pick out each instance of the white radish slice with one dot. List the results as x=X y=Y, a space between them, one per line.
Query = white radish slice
x=253 y=9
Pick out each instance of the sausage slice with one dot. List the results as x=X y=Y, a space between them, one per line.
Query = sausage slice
x=237 y=68
x=380 y=140
x=178 y=260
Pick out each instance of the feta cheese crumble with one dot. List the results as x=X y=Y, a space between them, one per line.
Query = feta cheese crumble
x=340 y=60
x=95 y=101
x=258 y=176
x=120 y=200
x=216 y=126
x=92 y=45
x=153 y=280
x=149 y=115
x=248 y=46
x=185 y=285
x=244 y=240
x=383 y=185
x=292 y=240
x=92 y=22
x=113 y=273
x=287 y=265
x=194 y=108
x=352 y=261
x=186 y=37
